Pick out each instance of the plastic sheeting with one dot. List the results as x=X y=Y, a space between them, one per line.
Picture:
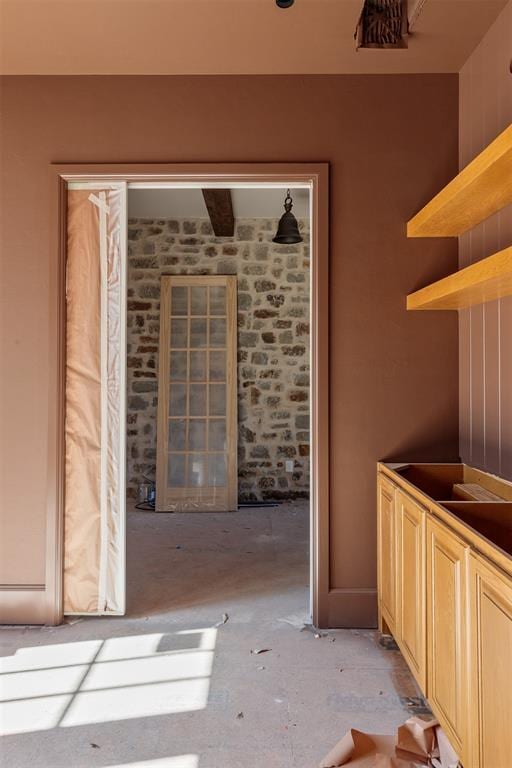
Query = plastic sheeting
x=94 y=547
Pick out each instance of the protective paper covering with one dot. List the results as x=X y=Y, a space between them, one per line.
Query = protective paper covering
x=419 y=743
x=94 y=478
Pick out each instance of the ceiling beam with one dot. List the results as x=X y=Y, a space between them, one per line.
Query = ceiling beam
x=220 y=211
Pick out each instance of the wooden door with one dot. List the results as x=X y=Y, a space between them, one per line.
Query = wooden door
x=386 y=549
x=446 y=635
x=197 y=395
x=411 y=628
x=490 y=593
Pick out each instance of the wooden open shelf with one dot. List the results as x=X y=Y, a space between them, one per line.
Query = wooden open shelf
x=488 y=279
x=480 y=189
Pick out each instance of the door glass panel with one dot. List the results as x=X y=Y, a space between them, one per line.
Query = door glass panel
x=179 y=300
x=196 y=453
x=198 y=366
x=217 y=469
x=198 y=296
x=217 y=435
x=197 y=435
x=177 y=431
x=218 y=332
x=178 y=366
x=179 y=334
x=196 y=470
x=197 y=333
x=217 y=300
x=176 y=470
x=217 y=399
x=218 y=366
x=198 y=399
x=178 y=400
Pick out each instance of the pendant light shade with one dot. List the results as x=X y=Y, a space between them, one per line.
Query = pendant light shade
x=288 y=228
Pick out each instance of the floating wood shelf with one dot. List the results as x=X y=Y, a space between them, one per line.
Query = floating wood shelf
x=488 y=279
x=480 y=189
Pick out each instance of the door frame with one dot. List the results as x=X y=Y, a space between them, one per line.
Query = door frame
x=314 y=174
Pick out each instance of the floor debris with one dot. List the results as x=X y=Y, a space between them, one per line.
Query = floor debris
x=388 y=643
x=294 y=620
x=417 y=705
x=257 y=651
x=240 y=716
x=225 y=618
x=419 y=743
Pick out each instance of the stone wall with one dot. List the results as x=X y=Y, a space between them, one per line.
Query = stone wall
x=273 y=345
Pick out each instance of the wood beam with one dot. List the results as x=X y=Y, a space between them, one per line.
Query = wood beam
x=220 y=211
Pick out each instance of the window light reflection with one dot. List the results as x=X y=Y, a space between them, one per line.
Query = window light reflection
x=102 y=680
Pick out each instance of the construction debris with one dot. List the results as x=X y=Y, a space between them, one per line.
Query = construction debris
x=419 y=743
x=383 y=24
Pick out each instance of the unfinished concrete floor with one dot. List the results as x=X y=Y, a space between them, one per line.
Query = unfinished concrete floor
x=165 y=687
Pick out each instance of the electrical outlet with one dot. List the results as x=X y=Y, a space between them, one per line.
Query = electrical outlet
x=289 y=465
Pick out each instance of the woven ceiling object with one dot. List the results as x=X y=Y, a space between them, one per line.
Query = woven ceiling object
x=382 y=24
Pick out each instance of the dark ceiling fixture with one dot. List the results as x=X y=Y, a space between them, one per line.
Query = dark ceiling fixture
x=383 y=24
x=287 y=229
x=284 y=3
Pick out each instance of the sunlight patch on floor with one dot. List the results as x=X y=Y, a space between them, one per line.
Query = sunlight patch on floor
x=180 y=761
x=104 y=680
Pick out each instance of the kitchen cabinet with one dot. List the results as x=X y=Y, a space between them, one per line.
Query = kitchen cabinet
x=445 y=594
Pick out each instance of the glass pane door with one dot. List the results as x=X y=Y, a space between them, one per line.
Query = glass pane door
x=196 y=458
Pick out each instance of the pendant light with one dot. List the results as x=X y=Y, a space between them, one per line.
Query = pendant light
x=288 y=229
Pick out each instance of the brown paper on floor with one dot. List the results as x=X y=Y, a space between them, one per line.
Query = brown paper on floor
x=418 y=743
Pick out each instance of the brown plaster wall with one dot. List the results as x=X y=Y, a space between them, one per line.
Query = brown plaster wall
x=391 y=142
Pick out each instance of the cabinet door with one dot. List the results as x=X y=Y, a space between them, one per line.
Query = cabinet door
x=491 y=665
x=411 y=635
x=446 y=630
x=386 y=549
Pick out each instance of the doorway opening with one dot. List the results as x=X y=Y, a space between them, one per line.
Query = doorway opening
x=279 y=342
x=218 y=393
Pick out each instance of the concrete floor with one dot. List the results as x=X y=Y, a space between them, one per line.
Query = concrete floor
x=165 y=687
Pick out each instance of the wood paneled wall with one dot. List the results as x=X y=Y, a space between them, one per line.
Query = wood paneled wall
x=485 y=331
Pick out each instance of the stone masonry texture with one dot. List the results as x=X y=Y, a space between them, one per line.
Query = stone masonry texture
x=273 y=345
